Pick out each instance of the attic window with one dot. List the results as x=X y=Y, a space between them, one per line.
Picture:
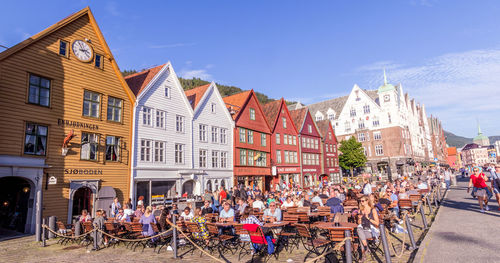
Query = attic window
x=213 y=108
x=252 y=114
x=98 y=61
x=167 y=92
x=63 y=48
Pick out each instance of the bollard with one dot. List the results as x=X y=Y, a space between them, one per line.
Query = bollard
x=52 y=226
x=43 y=232
x=348 y=247
x=78 y=228
x=410 y=233
x=424 y=219
x=383 y=237
x=429 y=204
x=174 y=243
x=436 y=203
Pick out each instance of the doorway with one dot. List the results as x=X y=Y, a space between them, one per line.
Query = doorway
x=14 y=203
x=188 y=187
x=82 y=199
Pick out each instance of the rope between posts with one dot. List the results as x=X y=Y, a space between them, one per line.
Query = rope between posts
x=405 y=232
x=194 y=244
x=337 y=247
x=132 y=240
x=66 y=236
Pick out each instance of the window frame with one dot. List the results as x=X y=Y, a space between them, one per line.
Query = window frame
x=163 y=117
x=202 y=133
x=90 y=105
x=278 y=139
x=243 y=157
x=97 y=144
x=149 y=114
x=223 y=136
x=202 y=158
x=116 y=139
x=180 y=124
x=250 y=137
x=147 y=150
x=157 y=152
x=113 y=107
x=39 y=87
x=263 y=140
x=179 y=153
x=242 y=135
x=35 y=134
x=215 y=159
x=67 y=48
x=252 y=114
x=101 y=61
x=215 y=134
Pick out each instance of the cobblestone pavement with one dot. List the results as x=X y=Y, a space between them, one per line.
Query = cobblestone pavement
x=26 y=250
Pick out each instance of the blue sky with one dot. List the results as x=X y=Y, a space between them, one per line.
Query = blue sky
x=446 y=54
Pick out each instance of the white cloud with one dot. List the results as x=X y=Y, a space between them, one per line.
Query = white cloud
x=172 y=46
x=456 y=87
x=196 y=73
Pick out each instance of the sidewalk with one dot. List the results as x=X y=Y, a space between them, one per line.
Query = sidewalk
x=460 y=232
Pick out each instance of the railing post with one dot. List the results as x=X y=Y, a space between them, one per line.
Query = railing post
x=424 y=219
x=95 y=239
x=429 y=203
x=439 y=192
x=174 y=243
x=52 y=226
x=78 y=228
x=410 y=233
x=383 y=237
x=43 y=232
x=436 y=203
x=348 y=247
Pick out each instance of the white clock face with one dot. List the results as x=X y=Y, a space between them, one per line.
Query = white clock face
x=82 y=50
x=387 y=98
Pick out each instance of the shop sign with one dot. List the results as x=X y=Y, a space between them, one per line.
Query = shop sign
x=52 y=180
x=83 y=171
x=288 y=170
x=310 y=170
x=274 y=171
x=251 y=171
x=77 y=124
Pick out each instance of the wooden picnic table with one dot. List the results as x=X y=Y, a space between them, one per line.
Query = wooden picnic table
x=275 y=224
x=331 y=225
x=226 y=224
x=349 y=208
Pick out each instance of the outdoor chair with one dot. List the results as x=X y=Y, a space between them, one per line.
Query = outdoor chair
x=65 y=232
x=260 y=242
x=137 y=234
x=313 y=245
x=88 y=239
x=337 y=235
x=221 y=242
x=415 y=199
x=324 y=211
x=292 y=209
x=243 y=240
x=405 y=204
x=114 y=229
x=163 y=240
x=194 y=229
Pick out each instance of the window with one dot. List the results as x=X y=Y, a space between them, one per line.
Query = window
x=319 y=118
x=376 y=123
x=213 y=107
x=112 y=148
x=263 y=139
x=353 y=112
x=317 y=159
x=251 y=157
x=283 y=119
x=329 y=135
x=146 y=116
x=242 y=135
x=160 y=119
x=114 y=109
x=179 y=153
x=159 y=151
x=215 y=134
x=347 y=126
x=98 y=62
x=252 y=114
x=202 y=132
x=39 y=90
x=295 y=157
x=90 y=143
x=287 y=157
x=223 y=159
x=294 y=140
x=179 y=123
x=278 y=156
x=278 y=138
x=203 y=158
x=331 y=116
x=377 y=135
x=303 y=158
x=366 y=109
x=309 y=128
x=215 y=159
x=223 y=136
x=35 y=139
x=361 y=124
x=285 y=139
x=364 y=151
x=389 y=117
x=145 y=150
x=91 y=104
x=63 y=48
x=361 y=137
x=379 y=150
x=167 y=92
x=316 y=144
x=243 y=157
x=304 y=145
x=250 y=137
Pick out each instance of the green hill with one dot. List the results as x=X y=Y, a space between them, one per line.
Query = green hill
x=459 y=141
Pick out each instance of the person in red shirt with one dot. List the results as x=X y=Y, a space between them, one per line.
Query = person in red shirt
x=478 y=180
x=222 y=195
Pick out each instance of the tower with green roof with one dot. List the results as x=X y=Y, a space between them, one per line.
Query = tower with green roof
x=481 y=139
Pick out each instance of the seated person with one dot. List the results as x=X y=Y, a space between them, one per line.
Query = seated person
x=139 y=211
x=227 y=213
x=272 y=214
x=259 y=204
x=335 y=203
x=121 y=216
x=207 y=208
x=85 y=217
x=317 y=199
x=187 y=215
x=241 y=205
x=422 y=185
x=287 y=203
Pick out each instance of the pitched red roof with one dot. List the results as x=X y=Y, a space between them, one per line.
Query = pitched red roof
x=323 y=127
x=298 y=117
x=452 y=150
x=272 y=110
x=235 y=102
x=138 y=81
x=194 y=95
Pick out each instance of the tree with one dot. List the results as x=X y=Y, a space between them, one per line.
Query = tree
x=352 y=156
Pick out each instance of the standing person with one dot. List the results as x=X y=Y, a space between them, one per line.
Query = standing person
x=369 y=221
x=146 y=220
x=236 y=194
x=367 y=187
x=478 y=180
x=115 y=207
x=447 y=178
x=222 y=195
x=495 y=181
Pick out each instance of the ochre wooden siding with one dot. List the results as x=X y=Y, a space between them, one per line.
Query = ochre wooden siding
x=69 y=78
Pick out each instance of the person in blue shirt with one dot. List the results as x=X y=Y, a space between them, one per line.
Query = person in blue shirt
x=227 y=213
x=272 y=214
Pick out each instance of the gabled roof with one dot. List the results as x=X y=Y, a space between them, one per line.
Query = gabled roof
x=336 y=104
x=235 y=102
x=194 y=95
x=298 y=117
x=69 y=19
x=272 y=111
x=323 y=127
x=138 y=81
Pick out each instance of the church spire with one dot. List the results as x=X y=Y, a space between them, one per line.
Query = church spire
x=478 y=128
x=385 y=78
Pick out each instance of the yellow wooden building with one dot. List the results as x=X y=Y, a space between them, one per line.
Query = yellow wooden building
x=65 y=125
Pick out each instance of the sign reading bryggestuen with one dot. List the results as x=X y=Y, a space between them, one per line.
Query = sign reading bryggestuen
x=83 y=171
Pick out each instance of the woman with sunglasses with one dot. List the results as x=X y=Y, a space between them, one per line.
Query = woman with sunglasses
x=369 y=221
x=478 y=180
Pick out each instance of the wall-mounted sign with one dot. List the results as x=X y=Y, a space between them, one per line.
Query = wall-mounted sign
x=77 y=124
x=309 y=170
x=83 y=171
x=288 y=169
x=52 y=180
x=273 y=170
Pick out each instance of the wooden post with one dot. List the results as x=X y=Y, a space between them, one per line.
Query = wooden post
x=424 y=219
x=429 y=203
x=410 y=233
x=348 y=247
x=174 y=236
x=43 y=232
x=385 y=244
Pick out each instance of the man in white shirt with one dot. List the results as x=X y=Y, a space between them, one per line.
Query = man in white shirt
x=259 y=204
x=316 y=199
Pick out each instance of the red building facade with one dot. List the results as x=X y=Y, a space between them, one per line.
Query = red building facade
x=310 y=146
x=285 y=152
x=252 y=145
x=330 y=153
